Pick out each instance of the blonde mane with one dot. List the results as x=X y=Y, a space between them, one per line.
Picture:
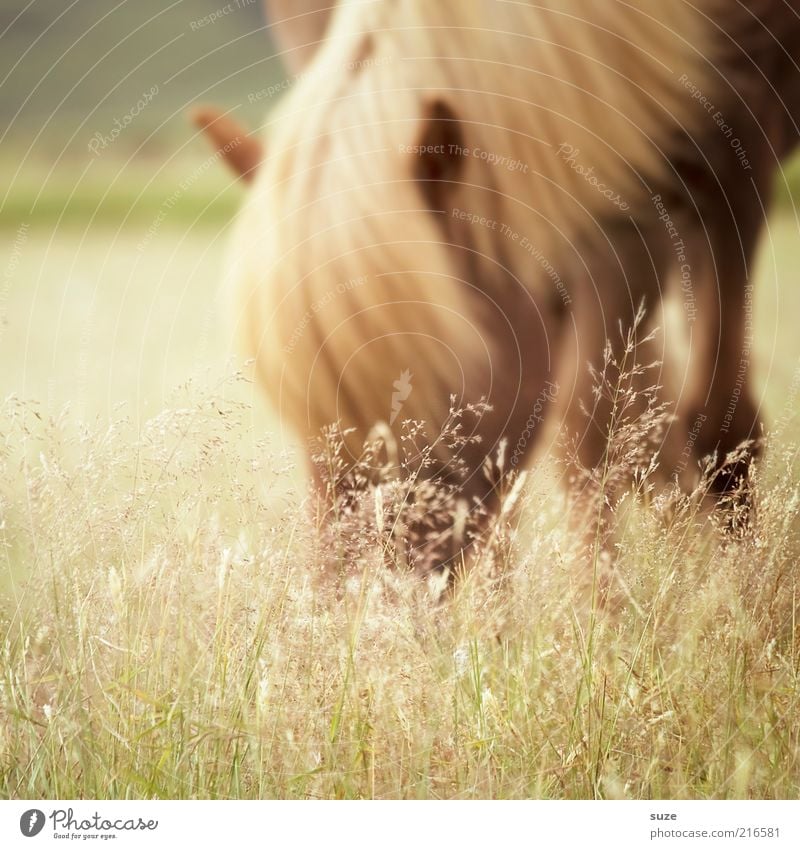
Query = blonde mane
x=345 y=275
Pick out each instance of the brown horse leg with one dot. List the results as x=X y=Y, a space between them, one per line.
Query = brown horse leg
x=719 y=405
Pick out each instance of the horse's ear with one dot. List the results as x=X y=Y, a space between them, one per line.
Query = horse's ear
x=441 y=157
x=298 y=27
x=241 y=152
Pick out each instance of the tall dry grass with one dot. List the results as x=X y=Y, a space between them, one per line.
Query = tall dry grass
x=178 y=624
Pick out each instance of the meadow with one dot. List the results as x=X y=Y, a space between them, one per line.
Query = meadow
x=178 y=619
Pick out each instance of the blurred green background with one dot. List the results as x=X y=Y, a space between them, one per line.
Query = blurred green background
x=111 y=260
x=69 y=71
x=111 y=256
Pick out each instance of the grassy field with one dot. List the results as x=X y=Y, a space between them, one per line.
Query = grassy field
x=171 y=626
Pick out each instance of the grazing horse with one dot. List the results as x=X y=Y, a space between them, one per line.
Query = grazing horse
x=466 y=199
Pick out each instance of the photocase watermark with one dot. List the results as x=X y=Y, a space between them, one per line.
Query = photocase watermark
x=522 y=241
x=548 y=394
x=367 y=62
x=183 y=187
x=402 y=390
x=213 y=17
x=688 y=448
x=320 y=304
x=272 y=90
x=790 y=405
x=744 y=360
x=64 y=824
x=10 y=272
x=285 y=84
x=685 y=268
x=495 y=159
x=531 y=249
x=725 y=128
x=102 y=141
x=570 y=155
x=32 y=822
